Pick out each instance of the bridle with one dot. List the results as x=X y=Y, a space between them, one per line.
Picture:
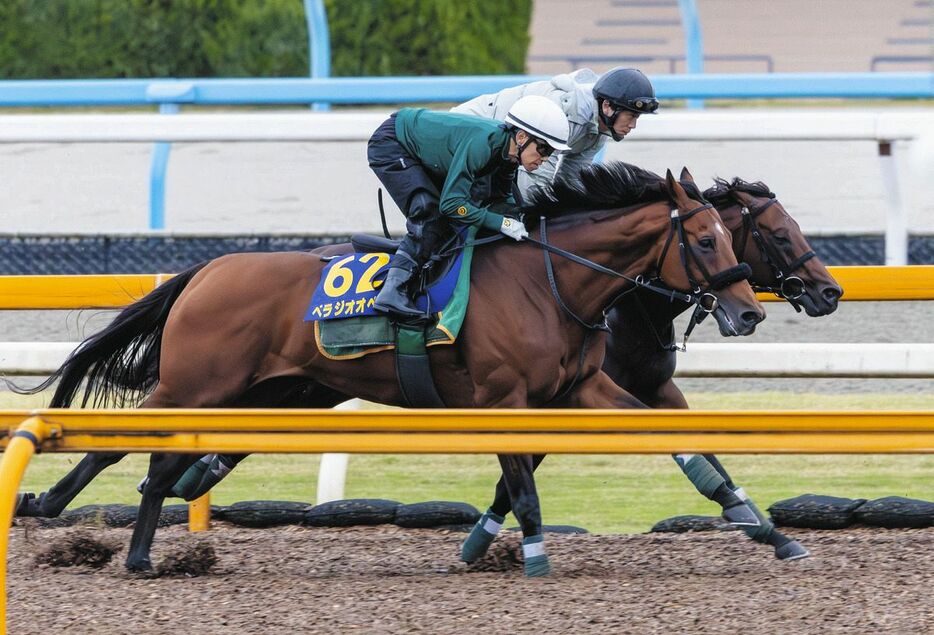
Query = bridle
x=700 y=295
x=789 y=287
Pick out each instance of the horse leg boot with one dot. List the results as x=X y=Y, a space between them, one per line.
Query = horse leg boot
x=484 y=532
x=517 y=471
x=51 y=503
x=786 y=548
x=207 y=472
x=713 y=486
x=164 y=472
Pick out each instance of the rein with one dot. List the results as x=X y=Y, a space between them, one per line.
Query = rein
x=790 y=287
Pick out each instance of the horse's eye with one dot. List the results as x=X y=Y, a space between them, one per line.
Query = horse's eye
x=707 y=243
x=781 y=239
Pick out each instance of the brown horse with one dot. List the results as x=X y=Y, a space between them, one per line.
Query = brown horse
x=641 y=358
x=228 y=333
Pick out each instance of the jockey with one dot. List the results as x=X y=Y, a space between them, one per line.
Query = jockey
x=596 y=108
x=434 y=166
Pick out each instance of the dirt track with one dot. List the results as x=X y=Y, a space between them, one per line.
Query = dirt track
x=392 y=580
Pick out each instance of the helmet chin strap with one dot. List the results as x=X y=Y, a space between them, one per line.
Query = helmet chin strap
x=610 y=121
x=520 y=147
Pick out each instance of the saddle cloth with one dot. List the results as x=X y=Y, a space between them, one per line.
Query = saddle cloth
x=347 y=326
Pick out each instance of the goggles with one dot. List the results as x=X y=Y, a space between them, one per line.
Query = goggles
x=543 y=148
x=639 y=104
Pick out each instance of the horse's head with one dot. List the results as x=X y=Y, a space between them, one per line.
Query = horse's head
x=698 y=256
x=770 y=241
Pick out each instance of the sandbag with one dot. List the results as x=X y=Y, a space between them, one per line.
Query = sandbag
x=436 y=513
x=896 y=511
x=264 y=513
x=812 y=511
x=683 y=524
x=347 y=513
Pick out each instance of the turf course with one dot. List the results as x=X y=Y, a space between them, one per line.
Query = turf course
x=604 y=493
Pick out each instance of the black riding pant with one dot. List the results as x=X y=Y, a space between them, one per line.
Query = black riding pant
x=412 y=189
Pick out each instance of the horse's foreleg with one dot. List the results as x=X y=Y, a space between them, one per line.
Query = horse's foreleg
x=164 y=471
x=517 y=473
x=51 y=503
x=711 y=479
x=486 y=529
x=207 y=472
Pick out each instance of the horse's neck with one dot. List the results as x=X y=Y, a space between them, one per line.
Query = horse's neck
x=629 y=244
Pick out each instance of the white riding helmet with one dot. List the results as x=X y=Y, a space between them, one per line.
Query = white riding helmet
x=541 y=118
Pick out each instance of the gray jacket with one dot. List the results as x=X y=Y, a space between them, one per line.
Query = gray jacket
x=571 y=91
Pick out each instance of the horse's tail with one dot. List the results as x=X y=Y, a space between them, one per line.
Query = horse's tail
x=121 y=363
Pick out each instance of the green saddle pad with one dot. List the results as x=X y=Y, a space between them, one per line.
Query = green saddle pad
x=354 y=337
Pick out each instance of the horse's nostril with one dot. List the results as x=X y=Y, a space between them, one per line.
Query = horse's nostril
x=751 y=317
x=832 y=294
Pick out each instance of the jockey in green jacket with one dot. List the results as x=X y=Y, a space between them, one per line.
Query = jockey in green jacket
x=441 y=168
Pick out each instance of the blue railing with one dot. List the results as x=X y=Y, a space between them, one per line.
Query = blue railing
x=169 y=94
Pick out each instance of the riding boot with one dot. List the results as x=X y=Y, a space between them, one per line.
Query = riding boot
x=393 y=297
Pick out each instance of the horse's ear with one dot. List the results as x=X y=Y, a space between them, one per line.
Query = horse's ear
x=677 y=193
x=686 y=176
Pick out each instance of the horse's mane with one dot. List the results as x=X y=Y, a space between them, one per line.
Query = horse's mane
x=601 y=186
x=720 y=192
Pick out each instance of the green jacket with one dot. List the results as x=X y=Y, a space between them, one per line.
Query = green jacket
x=456 y=151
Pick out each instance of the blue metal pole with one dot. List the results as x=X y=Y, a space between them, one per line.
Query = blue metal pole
x=693 y=43
x=319 y=44
x=160 y=161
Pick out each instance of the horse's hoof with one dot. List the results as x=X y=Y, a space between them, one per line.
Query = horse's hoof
x=741 y=516
x=792 y=550
x=25 y=505
x=143 y=565
x=477 y=544
x=537 y=566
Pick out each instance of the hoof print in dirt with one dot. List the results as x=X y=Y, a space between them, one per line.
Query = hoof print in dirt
x=505 y=554
x=347 y=513
x=896 y=512
x=264 y=513
x=78 y=549
x=189 y=562
x=684 y=524
x=435 y=513
x=811 y=511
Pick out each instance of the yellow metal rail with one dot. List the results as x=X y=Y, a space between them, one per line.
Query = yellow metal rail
x=103 y=291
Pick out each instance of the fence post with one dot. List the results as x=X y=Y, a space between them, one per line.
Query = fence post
x=169 y=95
x=319 y=45
x=896 y=220
x=693 y=43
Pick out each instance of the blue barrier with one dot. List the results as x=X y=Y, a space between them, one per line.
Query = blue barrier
x=395 y=90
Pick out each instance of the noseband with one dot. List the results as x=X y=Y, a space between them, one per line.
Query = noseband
x=789 y=287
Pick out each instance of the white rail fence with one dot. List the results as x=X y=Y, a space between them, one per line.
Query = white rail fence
x=895 y=131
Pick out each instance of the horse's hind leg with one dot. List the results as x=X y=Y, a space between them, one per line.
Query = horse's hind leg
x=484 y=532
x=51 y=503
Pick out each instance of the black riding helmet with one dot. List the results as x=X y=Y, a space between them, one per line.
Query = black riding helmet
x=624 y=89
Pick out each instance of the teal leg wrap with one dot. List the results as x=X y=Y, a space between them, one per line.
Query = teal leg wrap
x=216 y=472
x=480 y=538
x=701 y=473
x=192 y=477
x=536 y=565
x=762 y=532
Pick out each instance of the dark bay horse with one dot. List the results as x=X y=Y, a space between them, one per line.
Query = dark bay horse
x=641 y=348
x=228 y=333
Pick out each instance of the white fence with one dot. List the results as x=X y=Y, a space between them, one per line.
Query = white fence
x=894 y=130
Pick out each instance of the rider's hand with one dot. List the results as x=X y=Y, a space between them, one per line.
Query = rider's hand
x=514 y=228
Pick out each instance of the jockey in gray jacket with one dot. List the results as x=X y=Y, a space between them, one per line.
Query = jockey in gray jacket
x=596 y=108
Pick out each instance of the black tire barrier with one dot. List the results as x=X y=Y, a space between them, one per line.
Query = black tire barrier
x=435 y=513
x=812 y=511
x=896 y=512
x=348 y=513
x=263 y=513
x=684 y=524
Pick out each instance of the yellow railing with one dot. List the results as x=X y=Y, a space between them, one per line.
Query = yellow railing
x=75 y=292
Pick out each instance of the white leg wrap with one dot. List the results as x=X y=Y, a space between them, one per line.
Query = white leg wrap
x=490 y=526
x=533 y=549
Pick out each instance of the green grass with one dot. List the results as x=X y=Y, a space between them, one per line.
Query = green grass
x=606 y=494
